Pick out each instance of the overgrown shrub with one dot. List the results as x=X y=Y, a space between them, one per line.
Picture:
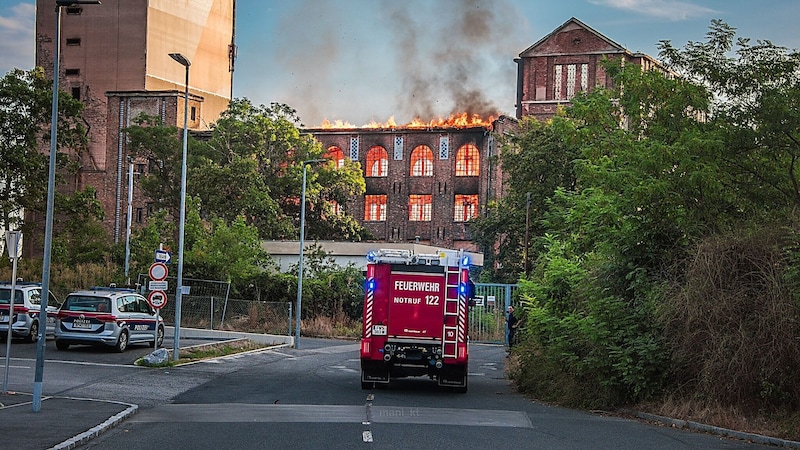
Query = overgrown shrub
x=733 y=322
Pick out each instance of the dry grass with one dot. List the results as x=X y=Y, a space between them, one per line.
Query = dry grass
x=331 y=327
x=783 y=425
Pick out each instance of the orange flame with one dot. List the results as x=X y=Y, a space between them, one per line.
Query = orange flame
x=462 y=120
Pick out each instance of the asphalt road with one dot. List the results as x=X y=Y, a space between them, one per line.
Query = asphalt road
x=312 y=398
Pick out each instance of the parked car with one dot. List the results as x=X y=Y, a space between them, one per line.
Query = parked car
x=25 y=317
x=109 y=316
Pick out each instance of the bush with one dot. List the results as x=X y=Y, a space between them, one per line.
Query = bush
x=732 y=322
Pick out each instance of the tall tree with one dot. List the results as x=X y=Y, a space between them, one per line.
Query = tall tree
x=269 y=139
x=537 y=159
x=25 y=108
x=757 y=102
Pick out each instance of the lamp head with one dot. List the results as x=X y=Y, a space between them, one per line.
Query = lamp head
x=180 y=59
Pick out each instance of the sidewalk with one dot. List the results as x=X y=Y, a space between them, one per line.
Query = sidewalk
x=61 y=423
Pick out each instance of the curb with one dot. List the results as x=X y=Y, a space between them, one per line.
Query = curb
x=99 y=429
x=695 y=426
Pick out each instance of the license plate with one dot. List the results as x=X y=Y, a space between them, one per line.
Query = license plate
x=81 y=324
x=379 y=330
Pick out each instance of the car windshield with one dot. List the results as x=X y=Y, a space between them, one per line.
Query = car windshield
x=81 y=303
x=5 y=297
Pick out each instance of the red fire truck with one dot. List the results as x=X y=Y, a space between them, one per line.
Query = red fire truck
x=415 y=317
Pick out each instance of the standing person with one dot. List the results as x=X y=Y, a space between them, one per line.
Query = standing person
x=511 y=323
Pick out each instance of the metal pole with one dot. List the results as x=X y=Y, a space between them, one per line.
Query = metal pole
x=13 y=238
x=300 y=263
x=527 y=228
x=128 y=227
x=179 y=288
x=48 y=229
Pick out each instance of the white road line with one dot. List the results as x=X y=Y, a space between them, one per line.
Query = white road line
x=270 y=413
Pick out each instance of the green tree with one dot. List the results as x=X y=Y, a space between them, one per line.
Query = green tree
x=537 y=159
x=756 y=91
x=25 y=108
x=80 y=237
x=162 y=146
x=268 y=138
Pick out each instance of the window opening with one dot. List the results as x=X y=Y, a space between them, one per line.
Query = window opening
x=468 y=161
x=466 y=207
x=336 y=155
x=419 y=208
x=375 y=208
x=377 y=162
x=422 y=161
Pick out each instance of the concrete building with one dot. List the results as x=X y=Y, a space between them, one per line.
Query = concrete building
x=567 y=61
x=115 y=59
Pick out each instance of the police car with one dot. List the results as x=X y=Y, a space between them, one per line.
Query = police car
x=107 y=316
x=25 y=317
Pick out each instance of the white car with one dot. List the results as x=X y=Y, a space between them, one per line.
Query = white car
x=25 y=317
x=107 y=316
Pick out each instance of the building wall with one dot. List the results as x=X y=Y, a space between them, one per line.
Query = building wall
x=563 y=63
x=123 y=46
x=442 y=230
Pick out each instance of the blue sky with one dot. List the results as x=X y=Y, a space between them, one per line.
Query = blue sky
x=362 y=60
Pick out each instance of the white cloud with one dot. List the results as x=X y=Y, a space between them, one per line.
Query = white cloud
x=665 y=9
x=17 y=37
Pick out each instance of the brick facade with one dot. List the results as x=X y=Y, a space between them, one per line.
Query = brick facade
x=563 y=63
x=443 y=229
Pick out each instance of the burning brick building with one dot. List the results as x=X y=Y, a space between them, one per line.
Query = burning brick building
x=424 y=182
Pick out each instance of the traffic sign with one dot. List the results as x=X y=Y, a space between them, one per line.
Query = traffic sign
x=157 y=299
x=158 y=271
x=158 y=285
x=163 y=256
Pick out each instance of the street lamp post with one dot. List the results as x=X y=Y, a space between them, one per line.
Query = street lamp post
x=48 y=228
x=128 y=224
x=182 y=60
x=300 y=261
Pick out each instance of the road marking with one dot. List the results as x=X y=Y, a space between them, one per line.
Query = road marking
x=367 y=436
x=280 y=413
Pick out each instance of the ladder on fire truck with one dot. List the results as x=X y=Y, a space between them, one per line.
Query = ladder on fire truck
x=452 y=308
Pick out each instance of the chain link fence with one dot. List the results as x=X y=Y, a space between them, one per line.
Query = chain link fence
x=208 y=306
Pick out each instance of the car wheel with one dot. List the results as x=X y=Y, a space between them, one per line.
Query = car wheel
x=159 y=338
x=122 y=342
x=33 y=336
x=61 y=345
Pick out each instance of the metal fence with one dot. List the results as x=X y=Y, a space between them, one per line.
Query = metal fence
x=487 y=319
x=208 y=306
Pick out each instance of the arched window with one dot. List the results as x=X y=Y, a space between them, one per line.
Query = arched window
x=375 y=208
x=419 y=208
x=336 y=155
x=466 y=207
x=468 y=161
x=422 y=161
x=377 y=162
